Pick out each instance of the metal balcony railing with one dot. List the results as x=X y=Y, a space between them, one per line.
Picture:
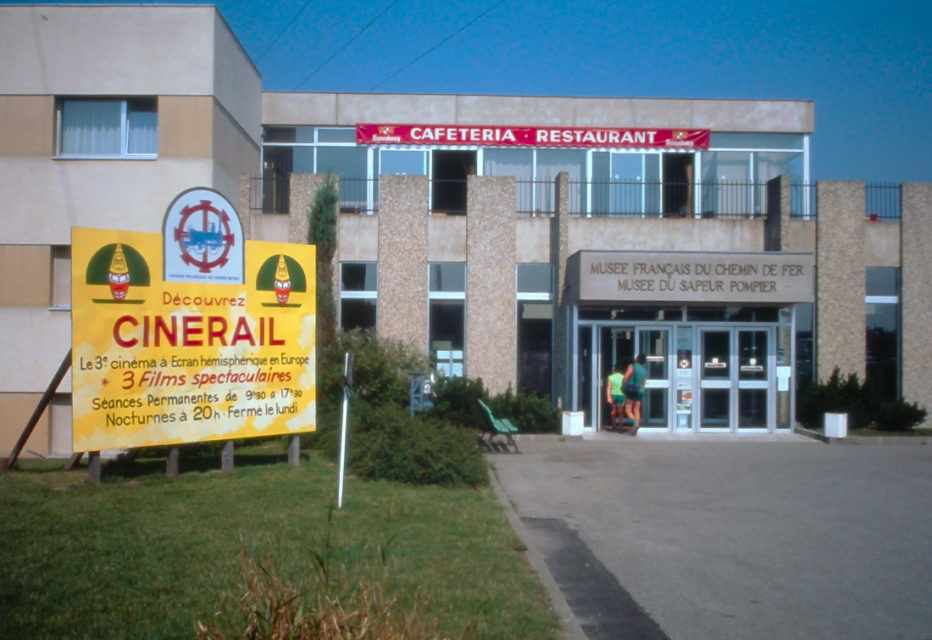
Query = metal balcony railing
x=448 y=197
x=882 y=202
x=638 y=199
x=270 y=193
x=359 y=195
x=803 y=205
x=536 y=198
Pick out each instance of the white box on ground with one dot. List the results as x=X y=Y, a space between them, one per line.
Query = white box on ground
x=573 y=423
x=836 y=425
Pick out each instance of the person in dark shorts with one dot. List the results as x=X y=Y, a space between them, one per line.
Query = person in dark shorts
x=633 y=388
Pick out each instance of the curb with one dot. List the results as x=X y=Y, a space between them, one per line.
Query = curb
x=570 y=626
x=866 y=440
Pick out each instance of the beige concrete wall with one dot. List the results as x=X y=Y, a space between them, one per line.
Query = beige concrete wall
x=916 y=299
x=532 y=241
x=881 y=244
x=840 y=279
x=491 y=327
x=33 y=342
x=115 y=194
x=358 y=238
x=107 y=50
x=447 y=238
x=801 y=236
x=185 y=126
x=33 y=265
x=15 y=411
x=209 y=107
x=721 y=115
x=28 y=126
x=403 y=259
x=234 y=153
x=269 y=227
x=107 y=194
x=672 y=234
x=237 y=84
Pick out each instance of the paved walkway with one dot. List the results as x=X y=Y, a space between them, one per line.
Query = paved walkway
x=724 y=537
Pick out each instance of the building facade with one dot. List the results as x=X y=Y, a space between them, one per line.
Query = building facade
x=533 y=242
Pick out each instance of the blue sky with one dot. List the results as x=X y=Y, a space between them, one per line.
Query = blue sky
x=867 y=66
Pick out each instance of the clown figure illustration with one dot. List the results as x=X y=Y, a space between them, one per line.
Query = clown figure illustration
x=282 y=281
x=119 y=275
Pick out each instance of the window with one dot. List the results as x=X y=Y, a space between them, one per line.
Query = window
x=447 y=316
x=882 y=304
x=535 y=327
x=358 y=295
x=97 y=128
x=61 y=277
x=307 y=149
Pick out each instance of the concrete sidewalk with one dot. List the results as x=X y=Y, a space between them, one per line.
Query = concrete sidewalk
x=726 y=536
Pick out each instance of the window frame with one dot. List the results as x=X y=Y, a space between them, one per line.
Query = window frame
x=892 y=301
x=359 y=294
x=126 y=112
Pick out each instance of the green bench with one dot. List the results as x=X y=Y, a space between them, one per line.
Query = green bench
x=498 y=427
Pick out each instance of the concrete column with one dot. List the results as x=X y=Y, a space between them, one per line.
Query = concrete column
x=242 y=204
x=916 y=294
x=776 y=227
x=559 y=253
x=491 y=326
x=403 y=259
x=303 y=188
x=840 y=279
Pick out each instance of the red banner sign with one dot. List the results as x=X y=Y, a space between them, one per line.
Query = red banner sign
x=499 y=136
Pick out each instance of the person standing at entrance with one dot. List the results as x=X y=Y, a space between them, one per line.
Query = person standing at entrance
x=615 y=397
x=633 y=388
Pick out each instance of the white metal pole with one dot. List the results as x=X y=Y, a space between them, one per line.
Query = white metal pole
x=343 y=433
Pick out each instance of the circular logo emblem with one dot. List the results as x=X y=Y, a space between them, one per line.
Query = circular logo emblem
x=204 y=236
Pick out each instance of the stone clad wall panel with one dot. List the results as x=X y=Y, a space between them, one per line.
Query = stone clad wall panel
x=403 y=251
x=840 y=280
x=491 y=331
x=916 y=295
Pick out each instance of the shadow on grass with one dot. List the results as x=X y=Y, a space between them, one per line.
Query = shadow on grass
x=197 y=458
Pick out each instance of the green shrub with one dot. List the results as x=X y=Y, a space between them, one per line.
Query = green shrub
x=836 y=395
x=865 y=405
x=380 y=371
x=530 y=413
x=389 y=444
x=899 y=416
x=456 y=400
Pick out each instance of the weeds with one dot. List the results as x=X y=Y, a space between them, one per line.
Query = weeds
x=327 y=606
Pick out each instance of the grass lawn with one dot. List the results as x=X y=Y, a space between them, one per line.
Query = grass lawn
x=144 y=556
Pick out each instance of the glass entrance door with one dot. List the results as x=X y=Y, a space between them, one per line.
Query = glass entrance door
x=654 y=343
x=736 y=385
x=715 y=379
x=753 y=378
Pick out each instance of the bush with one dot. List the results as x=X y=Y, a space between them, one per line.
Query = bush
x=865 y=405
x=391 y=445
x=380 y=371
x=899 y=416
x=456 y=400
x=836 y=395
x=530 y=413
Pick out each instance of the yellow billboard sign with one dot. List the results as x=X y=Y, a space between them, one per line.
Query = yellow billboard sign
x=160 y=359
